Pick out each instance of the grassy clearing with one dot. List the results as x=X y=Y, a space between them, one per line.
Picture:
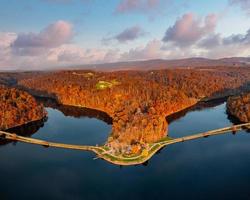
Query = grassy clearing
x=165 y=139
x=102 y=85
x=85 y=75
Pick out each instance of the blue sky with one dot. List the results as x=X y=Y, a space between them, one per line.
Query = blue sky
x=96 y=31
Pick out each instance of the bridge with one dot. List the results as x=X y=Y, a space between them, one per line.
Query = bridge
x=105 y=153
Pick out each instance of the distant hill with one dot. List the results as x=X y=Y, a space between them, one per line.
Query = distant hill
x=163 y=64
x=152 y=64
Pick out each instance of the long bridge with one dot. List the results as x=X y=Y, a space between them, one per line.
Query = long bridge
x=105 y=153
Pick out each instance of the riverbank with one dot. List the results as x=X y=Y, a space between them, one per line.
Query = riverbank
x=118 y=146
x=140 y=146
x=27 y=123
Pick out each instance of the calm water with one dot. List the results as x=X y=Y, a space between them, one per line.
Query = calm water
x=212 y=168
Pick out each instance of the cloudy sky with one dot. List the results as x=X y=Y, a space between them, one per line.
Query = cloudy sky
x=37 y=34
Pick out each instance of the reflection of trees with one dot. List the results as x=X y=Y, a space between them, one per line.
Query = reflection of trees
x=25 y=130
x=233 y=119
x=142 y=99
x=198 y=107
x=76 y=112
x=84 y=112
x=236 y=121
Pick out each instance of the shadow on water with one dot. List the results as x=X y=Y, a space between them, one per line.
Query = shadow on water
x=198 y=107
x=26 y=130
x=205 y=169
x=236 y=121
x=233 y=119
x=76 y=112
x=75 y=115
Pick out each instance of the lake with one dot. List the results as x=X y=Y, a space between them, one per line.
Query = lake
x=209 y=168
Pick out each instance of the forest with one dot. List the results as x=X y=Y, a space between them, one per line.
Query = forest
x=239 y=107
x=137 y=101
x=18 y=108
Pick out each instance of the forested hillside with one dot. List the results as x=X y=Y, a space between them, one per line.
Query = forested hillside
x=18 y=108
x=138 y=101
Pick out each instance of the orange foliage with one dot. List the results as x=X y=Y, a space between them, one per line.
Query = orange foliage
x=17 y=108
x=142 y=100
x=239 y=107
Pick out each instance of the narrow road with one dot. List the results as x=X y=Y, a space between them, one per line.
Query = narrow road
x=107 y=155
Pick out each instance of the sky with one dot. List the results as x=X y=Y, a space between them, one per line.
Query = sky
x=42 y=34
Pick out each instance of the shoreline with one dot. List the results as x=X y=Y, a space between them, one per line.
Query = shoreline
x=196 y=103
x=27 y=123
x=106 y=153
x=53 y=98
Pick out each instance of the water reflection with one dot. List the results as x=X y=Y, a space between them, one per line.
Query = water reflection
x=211 y=168
x=76 y=112
x=26 y=130
x=198 y=107
x=67 y=124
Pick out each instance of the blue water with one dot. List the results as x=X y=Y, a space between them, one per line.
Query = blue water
x=72 y=130
x=211 y=168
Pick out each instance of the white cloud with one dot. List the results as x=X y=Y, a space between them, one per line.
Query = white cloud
x=54 y=35
x=189 y=29
x=189 y=36
x=48 y=48
x=244 y=4
x=128 y=34
x=151 y=51
x=72 y=54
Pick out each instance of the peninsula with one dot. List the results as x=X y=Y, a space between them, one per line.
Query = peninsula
x=137 y=102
